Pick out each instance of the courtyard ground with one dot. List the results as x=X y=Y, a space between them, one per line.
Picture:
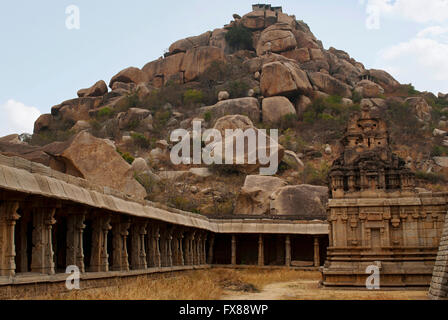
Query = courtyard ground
x=232 y=284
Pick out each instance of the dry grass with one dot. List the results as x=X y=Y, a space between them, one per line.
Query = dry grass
x=246 y=284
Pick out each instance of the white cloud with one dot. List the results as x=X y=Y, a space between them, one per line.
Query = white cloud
x=426 y=11
x=16 y=117
x=422 y=60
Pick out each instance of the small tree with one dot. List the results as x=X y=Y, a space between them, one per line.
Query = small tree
x=239 y=38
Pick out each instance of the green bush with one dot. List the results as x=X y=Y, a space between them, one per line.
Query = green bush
x=238 y=89
x=105 y=112
x=126 y=156
x=193 y=96
x=239 y=38
x=438 y=151
x=208 y=116
x=140 y=140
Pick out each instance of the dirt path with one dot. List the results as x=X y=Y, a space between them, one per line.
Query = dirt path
x=309 y=290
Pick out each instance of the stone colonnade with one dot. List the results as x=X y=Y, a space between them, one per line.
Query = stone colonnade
x=46 y=237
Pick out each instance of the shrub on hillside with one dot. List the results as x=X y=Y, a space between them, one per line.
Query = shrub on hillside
x=193 y=97
x=239 y=38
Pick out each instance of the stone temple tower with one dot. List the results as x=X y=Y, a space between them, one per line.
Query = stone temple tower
x=378 y=220
x=367 y=167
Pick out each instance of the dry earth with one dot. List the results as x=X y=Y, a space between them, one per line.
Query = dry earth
x=229 y=284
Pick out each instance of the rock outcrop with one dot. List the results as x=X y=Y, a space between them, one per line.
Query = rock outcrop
x=283 y=78
x=276 y=109
x=254 y=198
x=305 y=201
x=97 y=161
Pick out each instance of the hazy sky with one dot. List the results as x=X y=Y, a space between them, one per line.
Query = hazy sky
x=42 y=63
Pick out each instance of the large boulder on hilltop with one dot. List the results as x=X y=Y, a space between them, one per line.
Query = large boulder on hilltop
x=254 y=198
x=280 y=38
x=305 y=40
x=384 y=79
x=131 y=74
x=76 y=109
x=240 y=161
x=258 y=20
x=300 y=55
x=283 y=78
x=304 y=201
x=218 y=39
x=42 y=123
x=276 y=108
x=97 y=90
x=244 y=106
x=97 y=161
x=191 y=42
x=198 y=60
x=420 y=107
x=169 y=68
x=369 y=89
x=326 y=83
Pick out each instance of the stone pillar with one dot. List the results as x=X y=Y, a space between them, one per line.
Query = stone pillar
x=169 y=240
x=154 y=260
x=233 y=259
x=188 y=256
x=197 y=247
x=211 y=243
x=99 y=261
x=180 y=237
x=193 y=248
x=42 y=258
x=75 y=230
x=260 y=251
x=163 y=246
x=120 y=251
x=138 y=252
x=288 y=251
x=204 y=248
x=8 y=218
x=316 y=252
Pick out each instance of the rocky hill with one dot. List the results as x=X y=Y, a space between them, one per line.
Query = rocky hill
x=265 y=69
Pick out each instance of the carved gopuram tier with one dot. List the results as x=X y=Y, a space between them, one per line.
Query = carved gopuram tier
x=367 y=168
x=378 y=221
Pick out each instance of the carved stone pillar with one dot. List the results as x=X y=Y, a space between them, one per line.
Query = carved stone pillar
x=138 y=252
x=288 y=251
x=198 y=240
x=99 y=260
x=316 y=252
x=75 y=230
x=163 y=249
x=120 y=252
x=169 y=240
x=154 y=260
x=260 y=251
x=203 y=249
x=188 y=260
x=42 y=253
x=210 y=248
x=8 y=218
x=233 y=258
x=180 y=253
